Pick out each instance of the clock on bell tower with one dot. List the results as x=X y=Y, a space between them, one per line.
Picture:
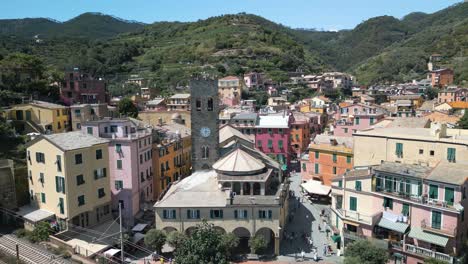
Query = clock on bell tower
x=205 y=126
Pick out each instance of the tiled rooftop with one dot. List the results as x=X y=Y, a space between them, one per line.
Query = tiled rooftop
x=74 y=140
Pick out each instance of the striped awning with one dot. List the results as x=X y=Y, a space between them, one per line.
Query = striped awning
x=395 y=226
x=435 y=239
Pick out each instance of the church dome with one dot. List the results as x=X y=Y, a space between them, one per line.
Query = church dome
x=239 y=162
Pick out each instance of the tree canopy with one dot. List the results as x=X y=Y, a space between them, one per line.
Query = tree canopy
x=364 y=252
x=127 y=107
x=155 y=239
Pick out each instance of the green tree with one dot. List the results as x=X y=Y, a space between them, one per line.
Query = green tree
x=431 y=93
x=257 y=244
x=127 y=108
x=365 y=252
x=204 y=246
x=176 y=239
x=434 y=261
x=155 y=239
x=41 y=232
x=229 y=242
x=463 y=122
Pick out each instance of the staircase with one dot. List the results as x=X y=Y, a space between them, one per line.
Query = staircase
x=29 y=253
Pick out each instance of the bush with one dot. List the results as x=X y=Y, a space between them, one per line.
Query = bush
x=257 y=244
x=41 y=232
x=21 y=232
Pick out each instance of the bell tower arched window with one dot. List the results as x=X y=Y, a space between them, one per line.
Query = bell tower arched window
x=205 y=152
x=198 y=104
x=210 y=104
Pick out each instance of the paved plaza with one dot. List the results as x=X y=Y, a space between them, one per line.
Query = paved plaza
x=305 y=222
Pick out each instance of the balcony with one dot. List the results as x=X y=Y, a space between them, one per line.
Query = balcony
x=421 y=199
x=424 y=252
x=447 y=230
x=358 y=217
x=355 y=236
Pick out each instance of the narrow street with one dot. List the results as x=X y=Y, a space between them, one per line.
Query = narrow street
x=305 y=221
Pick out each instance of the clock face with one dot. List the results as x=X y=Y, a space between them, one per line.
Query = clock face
x=205 y=132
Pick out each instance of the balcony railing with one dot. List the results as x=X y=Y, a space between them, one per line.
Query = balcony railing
x=422 y=199
x=449 y=230
x=355 y=236
x=357 y=216
x=428 y=253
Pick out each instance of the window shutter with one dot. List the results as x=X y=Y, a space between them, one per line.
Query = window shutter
x=57 y=189
x=174 y=214
x=95 y=174
x=259 y=213
x=63 y=184
x=270 y=214
x=104 y=172
x=221 y=213
x=164 y=214
x=211 y=214
x=245 y=213
x=188 y=214
x=198 y=214
x=235 y=214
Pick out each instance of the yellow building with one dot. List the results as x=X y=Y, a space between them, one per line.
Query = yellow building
x=172 y=158
x=316 y=109
x=68 y=178
x=156 y=118
x=424 y=146
x=416 y=100
x=39 y=116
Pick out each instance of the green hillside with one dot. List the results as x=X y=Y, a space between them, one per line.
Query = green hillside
x=87 y=25
x=381 y=49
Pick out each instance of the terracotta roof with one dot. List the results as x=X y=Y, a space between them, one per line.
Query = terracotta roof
x=440 y=117
x=459 y=105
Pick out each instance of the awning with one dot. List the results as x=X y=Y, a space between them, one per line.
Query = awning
x=435 y=239
x=137 y=237
x=395 y=226
x=336 y=238
x=139 y=227
x=316 y=187
x=111 y=252
x=350 y=223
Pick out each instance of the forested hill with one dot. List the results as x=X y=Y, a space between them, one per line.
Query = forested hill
x=381 y=49
x=87 y=25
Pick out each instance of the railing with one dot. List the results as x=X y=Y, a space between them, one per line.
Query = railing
x=450 y=230
x=422 y=199
x=428 y=253
x=356 y=216
x=353 y=235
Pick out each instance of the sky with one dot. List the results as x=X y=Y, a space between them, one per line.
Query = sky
x=318 y=14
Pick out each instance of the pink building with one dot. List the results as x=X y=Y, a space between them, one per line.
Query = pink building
x=354 y=117
x=415 y=211
x=253 y=80
x=130 y=164
x=82 y=88
x=272 y=136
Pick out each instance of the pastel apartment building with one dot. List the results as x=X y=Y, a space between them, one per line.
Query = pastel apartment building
x=452 y=95
x=329 y=156
x=425 y=146
x=415 y=211
x=81 y=113
x=246 y=123
x=40 y=117
x=130 y=163
x=441 y=77
x=230 y=90
x=354 y=117
x=69 y=179
x=273 y=136
x=254 y=80
x=179 y=102
x=82 y=88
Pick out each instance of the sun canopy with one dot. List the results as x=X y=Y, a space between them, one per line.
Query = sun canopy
x=137 y=237
x=419 y=234
x=111 y=252
x=316 y=187
x=139 y=227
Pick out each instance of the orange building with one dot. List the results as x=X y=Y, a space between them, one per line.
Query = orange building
x=300 y=133
x=172 y=158
x=442 y=77
x=329 y=156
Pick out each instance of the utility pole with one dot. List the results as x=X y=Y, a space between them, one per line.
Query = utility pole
x=17 y=254
x=122 y=257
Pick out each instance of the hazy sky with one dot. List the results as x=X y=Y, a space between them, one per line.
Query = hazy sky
x=319 y=14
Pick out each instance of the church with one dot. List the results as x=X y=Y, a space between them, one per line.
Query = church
x=238 y=189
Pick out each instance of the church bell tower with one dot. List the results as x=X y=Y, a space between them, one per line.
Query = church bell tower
x=204 y=104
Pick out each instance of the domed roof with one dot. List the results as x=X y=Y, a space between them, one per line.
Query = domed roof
x=176 y=116
x=239 y=162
